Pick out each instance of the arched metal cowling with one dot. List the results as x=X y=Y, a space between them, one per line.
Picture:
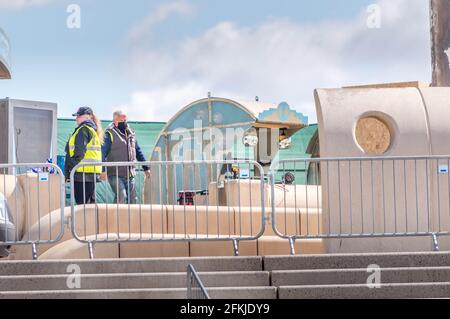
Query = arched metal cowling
x=215 y=129
x=197 y=124
x=5 y=72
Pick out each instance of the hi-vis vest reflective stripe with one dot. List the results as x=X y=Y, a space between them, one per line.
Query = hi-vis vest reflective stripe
x=93 y=152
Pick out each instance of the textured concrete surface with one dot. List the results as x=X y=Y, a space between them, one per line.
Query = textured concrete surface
x=394 y=260
x=387 y=291
x=419 y=275
x=134 y=281
x=177 y=293
x=358 y=276
x=132 y=265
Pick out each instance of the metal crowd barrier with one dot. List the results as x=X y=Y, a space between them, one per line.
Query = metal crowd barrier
x=336 y=198
x=193 y=201
x=195 y=287
x=31 y=205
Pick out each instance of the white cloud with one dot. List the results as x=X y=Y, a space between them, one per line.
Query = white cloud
x=161 y=13
x=159 y=98
x=280 y=60
x=19 y=4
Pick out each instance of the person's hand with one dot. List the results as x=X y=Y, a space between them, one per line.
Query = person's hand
x=148 y=174
x=103 y=177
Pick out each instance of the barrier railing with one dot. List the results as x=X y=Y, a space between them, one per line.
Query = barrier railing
x=31 y=205
x=195 y=201
x=335 y=198
x=195 y=287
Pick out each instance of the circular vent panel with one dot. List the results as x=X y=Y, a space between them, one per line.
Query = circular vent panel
x=373 y=135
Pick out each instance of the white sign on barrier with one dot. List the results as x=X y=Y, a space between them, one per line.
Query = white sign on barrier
x=443 y=169
x=43 y=177
x=244 y=173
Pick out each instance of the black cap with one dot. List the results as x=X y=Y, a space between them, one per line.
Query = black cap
x=84 y=111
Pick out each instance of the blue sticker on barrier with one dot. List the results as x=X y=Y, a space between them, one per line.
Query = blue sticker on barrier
x=443 y=169
x=43 y=177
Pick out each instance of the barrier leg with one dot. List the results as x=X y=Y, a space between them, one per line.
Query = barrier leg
x=292 y=245
x=34 y=251
x=91 y=250
x=236 y=247
x=435 y=242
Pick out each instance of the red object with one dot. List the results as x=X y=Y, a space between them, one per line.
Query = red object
x=186 y=198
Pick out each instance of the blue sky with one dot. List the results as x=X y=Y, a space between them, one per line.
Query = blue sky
x=153 y=57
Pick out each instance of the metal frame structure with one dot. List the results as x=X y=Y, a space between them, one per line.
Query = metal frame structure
x=195 y=287
x=235 y=239
x=26 y=240
x=405 y=173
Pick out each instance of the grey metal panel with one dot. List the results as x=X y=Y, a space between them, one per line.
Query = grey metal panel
x=29 y=125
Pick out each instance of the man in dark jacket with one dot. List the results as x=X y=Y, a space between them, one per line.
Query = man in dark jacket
x=120 y=145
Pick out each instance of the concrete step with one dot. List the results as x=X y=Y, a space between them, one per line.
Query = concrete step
x=358 y=276
x=134 y=281
x=387 y=291
x=358 y=261
x=174 y=293
x=154 y=265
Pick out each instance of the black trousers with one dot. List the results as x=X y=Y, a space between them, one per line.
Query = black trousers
x=84 y=194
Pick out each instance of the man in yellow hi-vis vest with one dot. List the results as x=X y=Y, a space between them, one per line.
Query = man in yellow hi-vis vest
x=84 y=146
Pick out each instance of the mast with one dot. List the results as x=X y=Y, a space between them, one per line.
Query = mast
x=440 y=41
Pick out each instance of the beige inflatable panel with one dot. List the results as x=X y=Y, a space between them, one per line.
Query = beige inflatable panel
x=288 y=221
x=224 y=248
x=73 y=249
x=13 y=192
x=424 y=131
x=272 y=245
x=437 y=105
x=245 y=194
x=248 y=220
x=236 y=193
x=156 y=249
x=193 y=220
x=47 y=228
x=114 y=219
x=338 y=111
x=297 y=196
x=96 y=219
x=437 y=102
x=41 y=197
